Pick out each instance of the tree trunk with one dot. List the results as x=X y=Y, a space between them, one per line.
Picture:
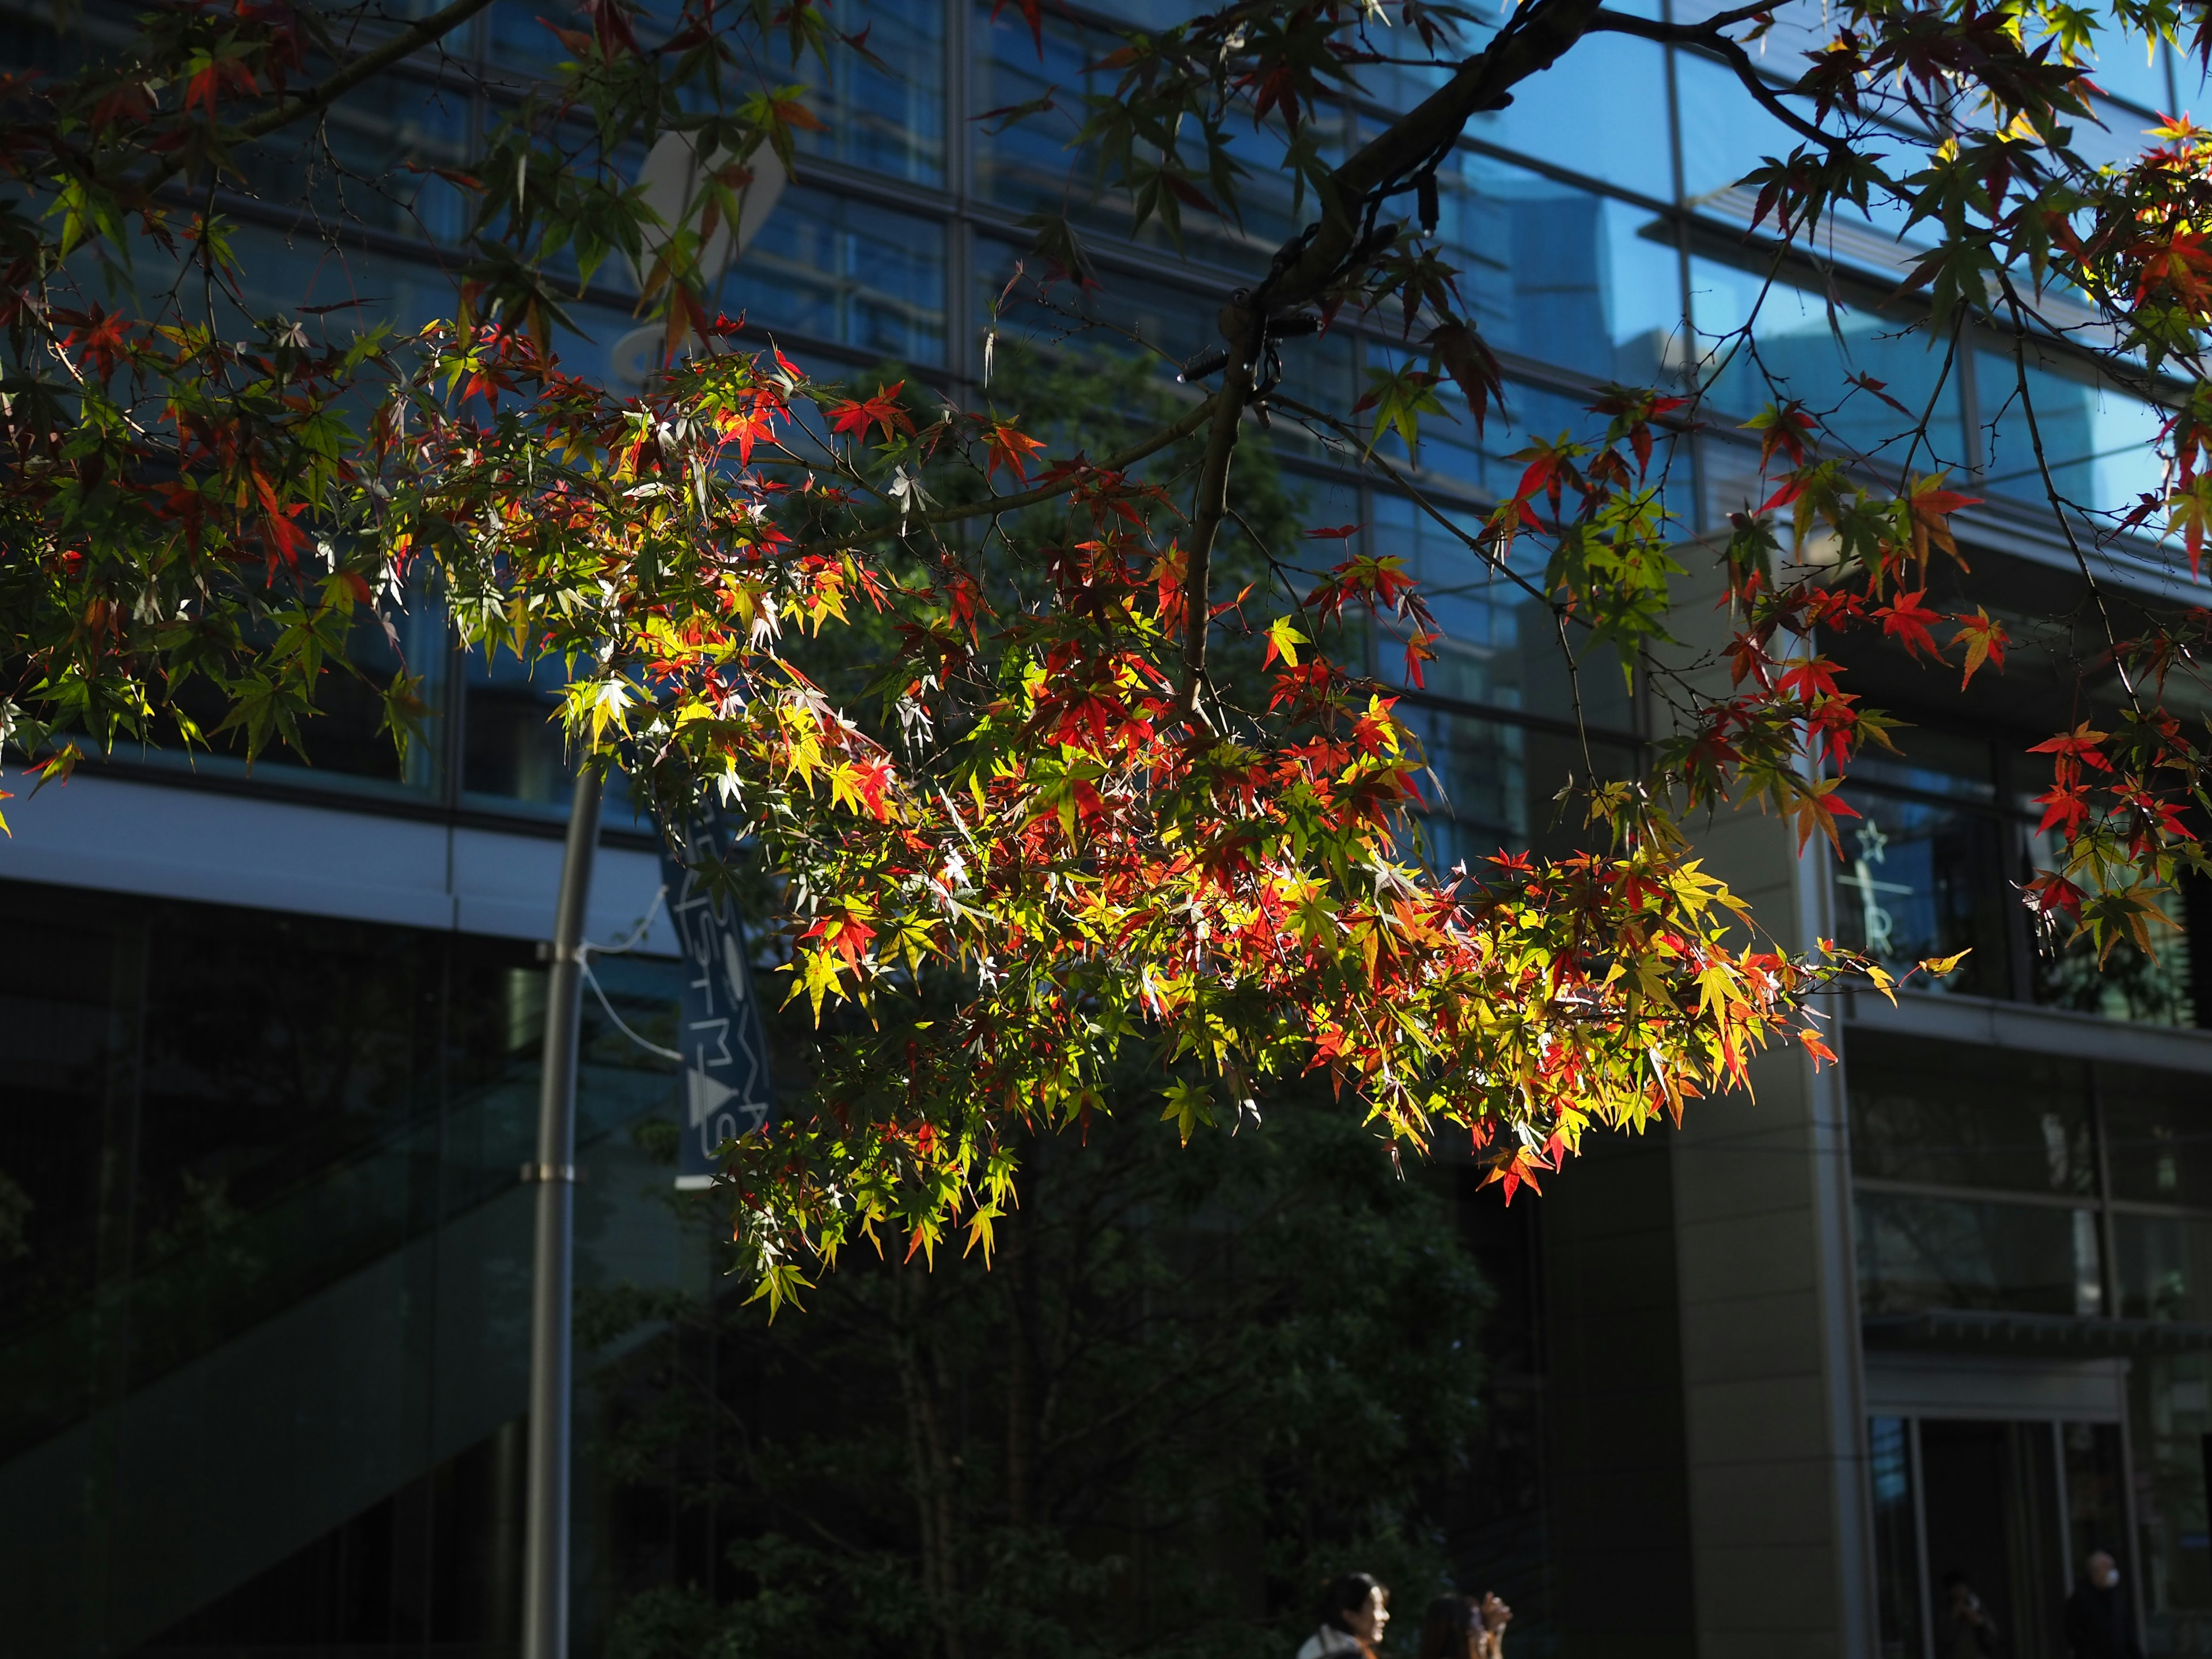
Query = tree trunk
x=933 y=1471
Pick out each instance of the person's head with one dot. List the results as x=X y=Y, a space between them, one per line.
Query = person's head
x=1358 y=1603
x=1961 y=1593
x=2104 y=1571
x=1450 y=1627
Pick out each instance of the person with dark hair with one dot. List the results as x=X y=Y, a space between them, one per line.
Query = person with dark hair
x=2099 y=1623
x=1971 y=1633
x=1355 y=1611
x=1461 y=1627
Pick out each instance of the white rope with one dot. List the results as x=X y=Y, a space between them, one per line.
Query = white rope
x=587 y=949
x=592 y=980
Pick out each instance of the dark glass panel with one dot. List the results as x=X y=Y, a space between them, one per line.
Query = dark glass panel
x=1896 y=1536
x=886 y=115
x=2158 y=1134
x=63 y=1097
x=1502 y=645
x=1031 y=165
x=1932 y=760
x=287 y=1127
x=1128 y=316
x=2170 y=1428
x=1956 y=1115
x=436 y=1567
x=2096 y=1493
x=2164 y=1267
x=1918 y=881
x=1920 y=1253
x=847 y=272
x=513 y=748
x=1499 y=783
x=370 y=162
x=2152 y=986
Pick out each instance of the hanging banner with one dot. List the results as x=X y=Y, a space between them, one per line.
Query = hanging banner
x=724 y=1049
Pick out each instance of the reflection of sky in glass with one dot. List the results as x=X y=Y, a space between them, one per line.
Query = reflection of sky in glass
x=889 y=119
x=846 y=271
x=1601 y=114
x=1796 y=333
x=1501 y=647
x=2100 y=442
x=1028 y=166
x=1887 y=1465
x=1550 y=271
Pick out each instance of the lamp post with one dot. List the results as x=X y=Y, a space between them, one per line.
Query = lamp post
x=672 y=179
x=545 y=1545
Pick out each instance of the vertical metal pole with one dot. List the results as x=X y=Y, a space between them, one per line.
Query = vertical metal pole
x=545 y=1545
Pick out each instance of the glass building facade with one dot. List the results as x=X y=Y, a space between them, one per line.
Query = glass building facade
x=207 y=1185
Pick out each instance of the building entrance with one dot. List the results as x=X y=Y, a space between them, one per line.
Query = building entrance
x=2006 y=1506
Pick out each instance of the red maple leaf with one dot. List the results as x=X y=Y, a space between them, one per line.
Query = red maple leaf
x=882 y=410
x=1011 y=449
x=1908 y=621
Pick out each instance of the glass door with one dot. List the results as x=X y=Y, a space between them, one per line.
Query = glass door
x=1984 y=1523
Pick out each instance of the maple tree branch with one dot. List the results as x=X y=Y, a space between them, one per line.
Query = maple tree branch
x=324 y=92
x=1728 y=20
x=1707 y=35
x=1532 y=42
x=1213 y=505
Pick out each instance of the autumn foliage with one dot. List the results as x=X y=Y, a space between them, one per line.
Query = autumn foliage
x=1056 y=830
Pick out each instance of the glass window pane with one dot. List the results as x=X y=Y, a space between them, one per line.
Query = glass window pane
x=2171 y=1430
x=368 y=162
x=1495 y=784
x=286 y=1130
x=1502 y=645
x=1930 y=759
x=344 y=748
x=1917 y=1254
x=847 y=272
x=1725 y=131
x=62 y=1049
x=512 y=746
x=1798 y=355
x=2096 y=1488
x=2163 y=1267
x=1556 y=273
x=887 y=116
x=2151 y=988
x=1896 y=1536
x=1917 y=881
x=1601 y=111
x=2100 y=443
x=1954 y=1115
x=1127 y=316
x=2117 y=138
x=2158 y=1134
x=1031 y=165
